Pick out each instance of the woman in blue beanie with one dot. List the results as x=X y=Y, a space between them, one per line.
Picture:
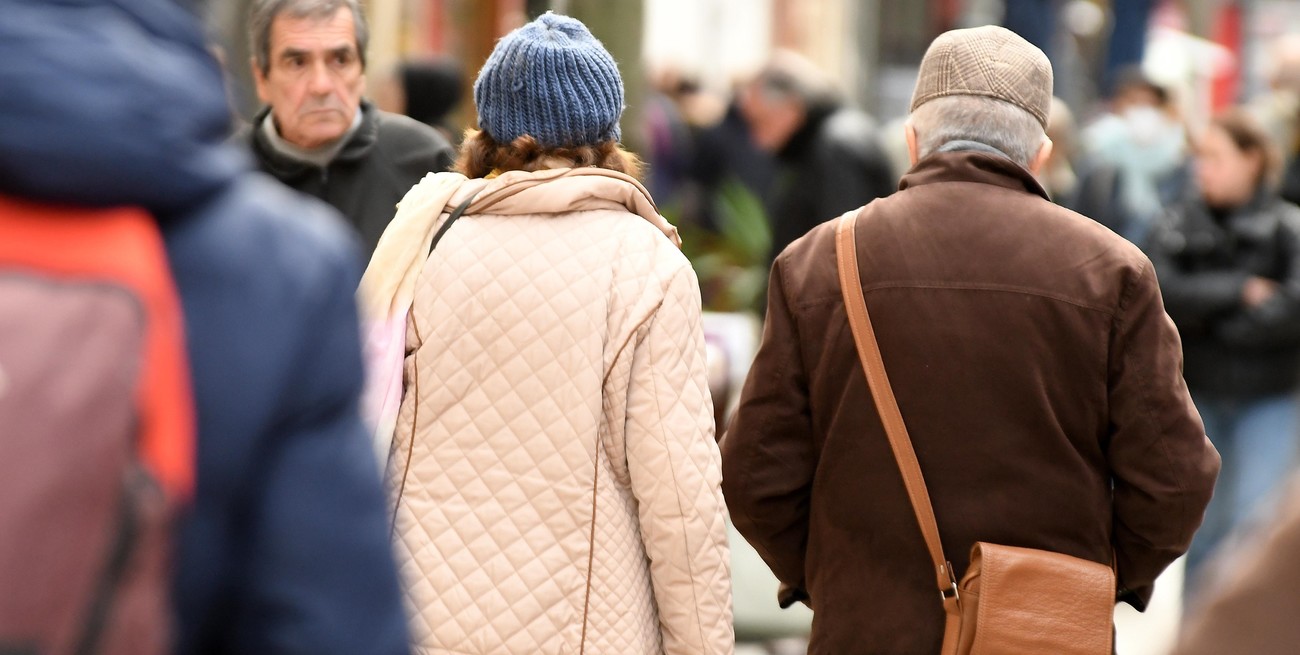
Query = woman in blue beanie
x=538 y=381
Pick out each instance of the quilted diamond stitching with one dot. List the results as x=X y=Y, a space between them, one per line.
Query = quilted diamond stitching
x=516 y=398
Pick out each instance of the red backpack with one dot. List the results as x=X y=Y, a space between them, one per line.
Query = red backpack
x=96 y=431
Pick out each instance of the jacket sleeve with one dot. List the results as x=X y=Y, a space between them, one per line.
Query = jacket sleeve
x=320 y=567
x=675 y=475
x=1191 y=297
x=768 y=459
x=1162 y=464
x=1276 y=322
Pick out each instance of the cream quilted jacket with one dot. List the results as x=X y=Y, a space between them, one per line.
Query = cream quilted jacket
x=557 y=479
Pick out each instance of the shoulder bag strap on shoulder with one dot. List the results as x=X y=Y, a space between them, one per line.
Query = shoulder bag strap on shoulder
x=864 y=337
x=455 y=215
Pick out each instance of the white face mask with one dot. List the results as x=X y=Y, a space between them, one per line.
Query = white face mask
x=1147 y=125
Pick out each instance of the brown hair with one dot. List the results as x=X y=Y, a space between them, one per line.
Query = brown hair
x=480 y=155
x=1250 y=137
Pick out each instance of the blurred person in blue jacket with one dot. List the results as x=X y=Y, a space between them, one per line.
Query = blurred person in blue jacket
x=285 y=550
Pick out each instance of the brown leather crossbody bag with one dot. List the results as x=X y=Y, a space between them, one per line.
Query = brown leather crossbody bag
x=1012 y=601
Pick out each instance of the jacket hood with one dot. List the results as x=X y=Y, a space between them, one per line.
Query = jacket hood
x=563 y=190
x=111 y=102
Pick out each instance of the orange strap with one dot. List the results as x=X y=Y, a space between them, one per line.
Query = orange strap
x=864 y=337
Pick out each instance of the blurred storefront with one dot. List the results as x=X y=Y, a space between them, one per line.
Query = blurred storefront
x=870 y=46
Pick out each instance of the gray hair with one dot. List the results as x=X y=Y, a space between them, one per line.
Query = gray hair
x=991 y=122
x=264 y=12
x=792 y=76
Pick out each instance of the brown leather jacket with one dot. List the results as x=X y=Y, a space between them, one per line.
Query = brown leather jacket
x=1040 y=379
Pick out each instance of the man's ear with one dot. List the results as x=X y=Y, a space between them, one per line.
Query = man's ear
x=1040 y=160
x=259 y=80
x=909 y=132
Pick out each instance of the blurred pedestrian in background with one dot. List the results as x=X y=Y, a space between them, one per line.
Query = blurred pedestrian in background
x=724 y=160
x=1229 y=265
x=1138 y=150
x=829 y=159
x=668 y=135
x=113 y=103
x=1279 y=110
x=1057 y=175
x=1034 y=364
x=428 y=90
x=1250 y=602
x=557 y=484
x=316 y=133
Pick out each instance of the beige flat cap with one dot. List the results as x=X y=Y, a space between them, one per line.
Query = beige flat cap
x=988 y=61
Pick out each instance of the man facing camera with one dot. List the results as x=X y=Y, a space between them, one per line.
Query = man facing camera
x=316 y=133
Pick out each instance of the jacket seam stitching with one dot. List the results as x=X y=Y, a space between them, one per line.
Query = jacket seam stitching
x=681 y=513
x=1122 y=314
x=997 y=288
x=591 y=543
x=415 y=425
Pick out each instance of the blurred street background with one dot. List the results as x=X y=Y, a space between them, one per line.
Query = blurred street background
x=689 y=67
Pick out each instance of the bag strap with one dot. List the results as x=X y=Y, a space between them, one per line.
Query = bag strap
x=415 y=380
x=455 y=214
x=864 y=337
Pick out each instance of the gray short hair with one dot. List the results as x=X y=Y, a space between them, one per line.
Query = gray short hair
x=264 y=12
x=792 y=76
x=991 y=122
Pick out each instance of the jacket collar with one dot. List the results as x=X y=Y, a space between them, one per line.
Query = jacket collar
x=284 y=167
x=564 y=190
x=799 y=143
x=969 y=165
x=1256 y=220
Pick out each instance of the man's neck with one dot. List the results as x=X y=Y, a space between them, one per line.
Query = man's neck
x=968 y=146
x=319 y=157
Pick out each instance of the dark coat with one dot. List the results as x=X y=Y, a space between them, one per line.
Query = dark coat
x=1203 y=262
x=831 y=165
x=286 y=549
x=386 y=156
x=1039 y=378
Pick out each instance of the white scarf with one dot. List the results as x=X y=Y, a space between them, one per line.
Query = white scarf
x=385 y=296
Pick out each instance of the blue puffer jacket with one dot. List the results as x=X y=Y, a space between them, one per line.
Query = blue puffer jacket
x=286 y=548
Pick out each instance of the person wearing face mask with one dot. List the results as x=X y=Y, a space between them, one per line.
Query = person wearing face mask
x=316 y=134
x=1228 y=260
x=1134 y=159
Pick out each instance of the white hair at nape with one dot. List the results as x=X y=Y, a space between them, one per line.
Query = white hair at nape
x=989 y=121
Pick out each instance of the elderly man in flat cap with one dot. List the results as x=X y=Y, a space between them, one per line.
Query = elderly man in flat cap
x=1028 y=349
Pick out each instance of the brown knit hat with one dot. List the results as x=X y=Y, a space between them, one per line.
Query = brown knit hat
x=988 y=61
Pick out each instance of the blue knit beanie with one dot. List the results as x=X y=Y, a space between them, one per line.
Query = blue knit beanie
x=553 y=80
